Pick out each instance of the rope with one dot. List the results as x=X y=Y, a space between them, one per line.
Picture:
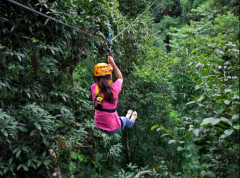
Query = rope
x=134 y=21
x=30 y=9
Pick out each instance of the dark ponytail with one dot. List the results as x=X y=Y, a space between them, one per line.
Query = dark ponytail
x=105 y=88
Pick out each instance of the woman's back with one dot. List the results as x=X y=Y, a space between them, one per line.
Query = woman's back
x=105 y=120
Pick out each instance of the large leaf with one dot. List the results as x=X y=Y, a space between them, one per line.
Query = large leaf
x=228 y=132
x=179 y=148
x=196 y=131
x=225 y=120
x=171 y=141
x=211 y=120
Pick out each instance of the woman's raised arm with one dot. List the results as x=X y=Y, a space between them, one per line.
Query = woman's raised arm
x=115 y=68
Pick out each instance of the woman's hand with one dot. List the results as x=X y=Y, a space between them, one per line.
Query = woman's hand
x=111 y=60
x=113 y=66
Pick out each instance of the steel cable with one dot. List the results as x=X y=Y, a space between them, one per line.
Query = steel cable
x=48 y=17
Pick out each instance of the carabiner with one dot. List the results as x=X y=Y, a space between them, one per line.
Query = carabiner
x=109 y=42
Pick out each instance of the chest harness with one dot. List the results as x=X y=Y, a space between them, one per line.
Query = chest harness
x=99 y=99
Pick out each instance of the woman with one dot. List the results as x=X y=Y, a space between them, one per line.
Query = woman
x=105 y=98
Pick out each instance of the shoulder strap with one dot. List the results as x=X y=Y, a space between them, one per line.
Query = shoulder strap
x=99 y=106
x=97 y=88
x=98 y=92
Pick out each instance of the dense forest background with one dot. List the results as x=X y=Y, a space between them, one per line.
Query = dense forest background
x=180 y=62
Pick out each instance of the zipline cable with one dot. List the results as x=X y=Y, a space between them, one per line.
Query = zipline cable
x=48 y=17
x=134 y=21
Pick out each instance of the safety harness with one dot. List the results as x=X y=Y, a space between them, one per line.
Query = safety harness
x=99 y=99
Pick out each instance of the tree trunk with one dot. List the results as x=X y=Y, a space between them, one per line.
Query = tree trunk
x=166 y=10
x=57 y=173
x=35 y=64
x=70 y=75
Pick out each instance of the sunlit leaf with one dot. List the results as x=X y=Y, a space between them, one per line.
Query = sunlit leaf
x=213 y=121
x=171 y=141
x=228 y=132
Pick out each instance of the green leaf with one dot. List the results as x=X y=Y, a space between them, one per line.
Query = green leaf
x=10 y=161
x=16 y=149
x=227 y=102
x=25 y=167
x=18 y=153
x=46 y=21
x=181 y=142
x=39 y=115
x=193 y=77
x=196 y=131
x=179 y=148
x=4 y=132
x=167 y=130
x=38 y=126
x=25 y=148
x=219 y=124
x=80 y=158
x=226 y=121
x=163 y=135
x=228 y=90
x=44 y=154
x=13 y=27
x=236 y=145
x=46 y=162
x=39 y=163
x=173 y=136
x=181 y=128
x=24 y=129
x=33 y=132
x=30 y=29
x=200 y=98
x=228 y=132
x=236 y=127
x=211 y=174
x=235 y=116
x=210 y=120
x=29 y=162
x=153 y=127
x=19 y=167
x=191 y=102
x=219 y=128
x=203 y=173
x=171 y=141
x=198 y=87
x=219 y=111
x=48 y=70
x=223 y=136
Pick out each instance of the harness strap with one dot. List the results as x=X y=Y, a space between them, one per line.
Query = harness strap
x=99 y=98
x=99 y=108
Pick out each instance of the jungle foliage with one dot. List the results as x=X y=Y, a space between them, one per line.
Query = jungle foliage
x=180 y=63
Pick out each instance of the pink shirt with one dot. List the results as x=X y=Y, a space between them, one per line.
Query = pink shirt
x=104 y=120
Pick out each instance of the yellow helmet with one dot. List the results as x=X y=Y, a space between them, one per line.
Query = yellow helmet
x=101 y=69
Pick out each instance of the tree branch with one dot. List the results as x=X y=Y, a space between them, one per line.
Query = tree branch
x=141 y=173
